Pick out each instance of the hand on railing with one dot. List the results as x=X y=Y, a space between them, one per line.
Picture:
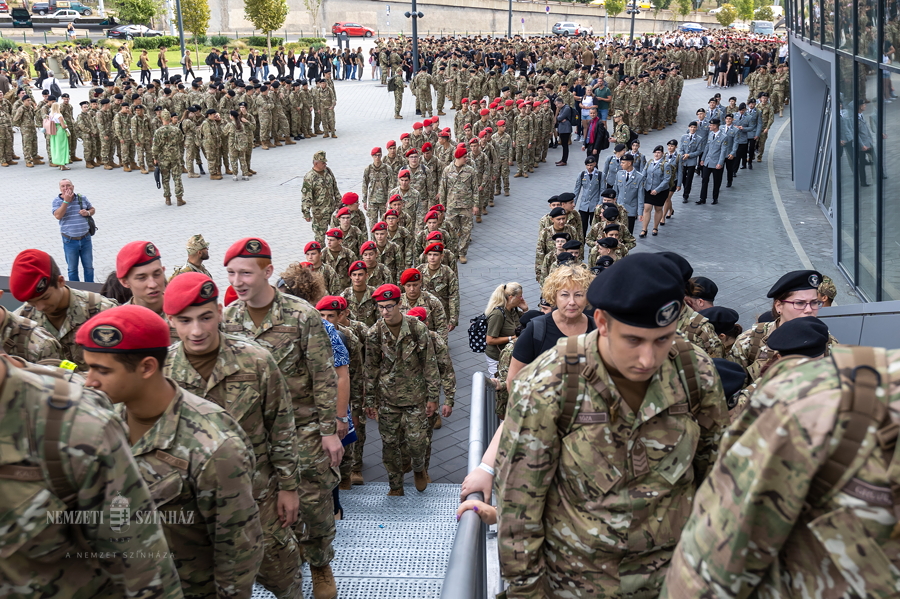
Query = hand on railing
x=477 y=481
x=487 y=513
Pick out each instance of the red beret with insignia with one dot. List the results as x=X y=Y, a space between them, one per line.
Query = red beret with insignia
x=426 y=147
x=376 y=151
x=343 y=212
x=391 y=144
x=332 y=302
x=30 y=276
x=404 y=136
x=335 y=232
x=432 y=214
x=357 y=265
x=367 y=246
x=350 y=198
x=124 y=329
x=410 y=274
x=435 y=235
x=411 y=152
x=386 y=293
x=312 y=245
x=418 y=312
x=136 y=253
x=435 y=247
x=417 y=125
x=379 y=226
x=189 y=289
x=460 y=152
x=438 y=208
x=248 y=247
x=405 y=172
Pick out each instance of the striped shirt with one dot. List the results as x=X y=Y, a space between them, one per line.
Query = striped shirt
x=72 y=224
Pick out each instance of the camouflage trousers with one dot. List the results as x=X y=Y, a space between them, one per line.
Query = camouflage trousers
x=328 y=120
x=280 y=571
x=502 y=180
x=213 y=159
x=295 y=121
x=523 y=156
x=461 y=224
x=105 y=149
x=777 y=101
x=306 y=122
x=761 y=144
x=95 y=148
x=672 y=114
x=265 y=128
x=320 y=224
x=73 y=145
x=385 y=69
x=126 y=151
x=280 y=125
x=239 y=158
x=441 y=92
x=29 y=143
x=375 y=212
x=317 y=120
x=485 y=195
x=191 y=155
x=6 y=144
x=404 y=432
x=171 y=169
x=315 y=525
x=398 y=101
x=142 y=155
x=423 y=99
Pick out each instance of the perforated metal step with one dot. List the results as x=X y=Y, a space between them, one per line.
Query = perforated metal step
x=390 y=547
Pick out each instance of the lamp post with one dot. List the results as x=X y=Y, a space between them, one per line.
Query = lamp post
x=509 y=21
x=180 y=30
x=634 y=11
x=415 y=16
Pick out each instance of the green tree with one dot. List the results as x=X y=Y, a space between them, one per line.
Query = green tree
x=267 y=16
x=613 y=8
x=313 y=7
x=195 y=15
x=727 y=15
x=764 y=13
x=682 y=8
x=744 y=9
x=139 y=12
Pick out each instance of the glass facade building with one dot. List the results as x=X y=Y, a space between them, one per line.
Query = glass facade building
x=845 y=121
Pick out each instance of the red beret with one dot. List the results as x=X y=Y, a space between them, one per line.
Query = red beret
x=404 y=135
x=546 y=101
x=474 y=140
x=426 y=147
x=410 y=152
x=189 y=289
x=417 y=125
x=357 y=265
x=427 y=122
x=432 y=214
x=444 y=133
x=306 y=264
x=438 y=208
x=136 y=253
x=30 y=276
x=404 y=172
x=230 y=295
x=335 y=232
x=435 y=235
x=410 y=274
x=332 y=302
x=376 y=151
x=391 y=144
x=484 y=112
x=395 y=198
x=248 y=247
x=484 y=101
x=435 y=120
x=501 y=123
x=379 y=226
x=467 y=126
x=343 y=212
x=369 y=245
x=520 y=102
x=312 y=245
x=483 y=133
x=392 y=213
x=489 y=129
x=386 y=293
x=349 y=198
x=536 y=105
x=508 y=103
x=464 y=101
x=124 y=329
x=459 y=153
x=418 y=312
x=493 y=105
x=435 y=247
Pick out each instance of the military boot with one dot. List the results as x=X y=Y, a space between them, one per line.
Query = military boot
x=324 y=586
x=396 y=492
x=193 y=175
x=356 y=478
x=216 y=177
x=421 y=480
x=108 y=166
x=438 y=423
x=126 y=168
x=168 y=201
x=86 y=165
x=181 y=201
x=76 y=159
x=289 y=142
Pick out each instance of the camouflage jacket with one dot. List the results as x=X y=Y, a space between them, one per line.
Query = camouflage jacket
x=444 y=285
x=391 y=256
x=321 y=195
x=364 y=310
x=82 y=306
x=293 y=332
x=401 y=371
x=546 y=245
x=355 y=347
x=332 y=281
x=411 y=201
x=198 y=464
x=100 y=469
x=122 y=126
x=742 y=351
x=377 y=182
x=168 y=145
x=405 y=242
x=189 y=267
x=614 y=491
x=697 y=329
x=340 y=262
x=502 y=397
x=247 y=383
x=25 y=339
x=758 y=532
x=437 y=318
x=459 y=188
x=573 y=219
x=451 y=242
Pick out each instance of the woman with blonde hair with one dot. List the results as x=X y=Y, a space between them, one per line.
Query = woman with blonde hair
x=59 y=139
x=506 y=305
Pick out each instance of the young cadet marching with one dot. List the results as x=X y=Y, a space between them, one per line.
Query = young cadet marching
x=416 y=297
x=85 y=467
x=440 y=280
x=139 y=269
x=616 y=426
x=194 y=457
x=50 y=303
x=695 y=327
x=243 y=378
x=402 y=387
x=292 y=330
x=458 y=193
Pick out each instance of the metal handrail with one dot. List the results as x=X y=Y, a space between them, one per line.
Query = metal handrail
x=466 y=576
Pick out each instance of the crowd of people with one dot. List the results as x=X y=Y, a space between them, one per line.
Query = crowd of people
x=239 y=414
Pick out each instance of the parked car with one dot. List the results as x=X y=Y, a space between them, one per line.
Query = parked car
x=21 y=17
x=46 y=8
x=567 y=28
x=64 y=15
x=4 y=7
x=739 y=27
x=642 y=4
x=127 y=32
x=715 y=11
x=352 y=29
x=762 y=27
x=598 y=2
x=692 y=27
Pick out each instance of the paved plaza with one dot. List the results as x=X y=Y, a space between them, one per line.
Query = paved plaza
x=743 y=244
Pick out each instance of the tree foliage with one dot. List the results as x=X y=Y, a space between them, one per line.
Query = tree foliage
x=195 y=16
x=727 y=15
x=744 y=9
x=139 y=12
x=313 y=7
x=682 y=8
x=267 y=16
x=615 y=7
x=764 y=13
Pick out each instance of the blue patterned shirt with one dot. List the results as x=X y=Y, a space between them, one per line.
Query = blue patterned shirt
x=72 y=224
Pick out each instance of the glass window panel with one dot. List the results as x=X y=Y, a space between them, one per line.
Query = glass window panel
x=844 y=25
x=867 y=15
x=815 y=15
x=828 y=22
x=890 y=258
x=846 y=166
x=867 y=176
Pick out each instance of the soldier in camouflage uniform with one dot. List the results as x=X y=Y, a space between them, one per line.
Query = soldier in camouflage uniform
x=313 y=252
x=168 y=145
x=198 y=252
x=191 y=131
x=414 y=296
x=458 y=193
x=104 y=119
x=338 y=257
x=293 y=332
x=23 y=118
x=546 y=243
x=767 y=119
x=98 y=477
x=377 y=180
x=440 y=280
x=53 y=306
x=402 y=387
x=359 y=294
x=581 y=453
x=800 y=501
x=24 y=339
x=211 y=140
x=86 y=129
x=503 y=145
x=523 y=140
x=142 y=138
x=325 y=101
x=122 y=130
x=194 y=457
x=321 y=196
x=695 y=327
x=243 y=378
x=378 y=273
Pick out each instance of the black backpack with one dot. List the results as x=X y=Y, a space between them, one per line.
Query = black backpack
x=478 y=334
x=54 y=90
x=632 y=137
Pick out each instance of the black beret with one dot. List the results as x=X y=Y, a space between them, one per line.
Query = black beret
x=611 y=227
x=193 y=109
x=529 y=316
x=564 y=257
x=135 y=96
x=797 y=280
x=119 y=97
x=619 y=148
x=723 y=319
x=573 y=244
x=606 y=261
x=611 y=213
x=563 y=235
x=684 y=267
x=627 y=157
x=552 y=199
x=104 y=101
x=766 y=316
x=211 y=111
x=242 y=103
x=157 y=108
x=641 y=290
x=693 y=124
x=659 y=149
x=84 y=102
x=557 y=212
x=672 y=142
x=734 y=377
x=708 y=289
x=608 y=193
x=590 y=160
x=715 y=122
x=806 y=336
x=46 y=92
x=64 y=96
x=608 y=242
x=566 y=197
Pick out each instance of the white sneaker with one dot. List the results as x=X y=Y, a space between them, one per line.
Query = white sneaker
x=245 y=178
x=235 y=177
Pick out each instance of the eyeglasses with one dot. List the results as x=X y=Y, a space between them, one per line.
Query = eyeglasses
x=387 y=308
x=801 y=305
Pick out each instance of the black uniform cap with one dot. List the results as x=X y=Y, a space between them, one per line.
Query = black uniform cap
x=612 y=227
x=566 y=197
x=708 y=289
x=797 y=280
x=608 y=242
x=723 y=319
x=574 y=244
x=640 y=290
x=562 y=235
x=683 y=266
x=564 y=258
x=733 y=376
x=611 y=213
x=552 y=199
x=590 y=160
x=806 y=336
x=608 y=193
x=211 y=111
x=557 y=212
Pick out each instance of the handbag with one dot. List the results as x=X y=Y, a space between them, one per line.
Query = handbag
x=92 y=226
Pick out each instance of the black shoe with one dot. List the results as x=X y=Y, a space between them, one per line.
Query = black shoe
x=729 y=184
x=655 y=232
x=714 y=202
x=642 y=234
x=685 y=201
x=750 y=166
x=700 y=202
x=863 y=184
x=745 y=166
